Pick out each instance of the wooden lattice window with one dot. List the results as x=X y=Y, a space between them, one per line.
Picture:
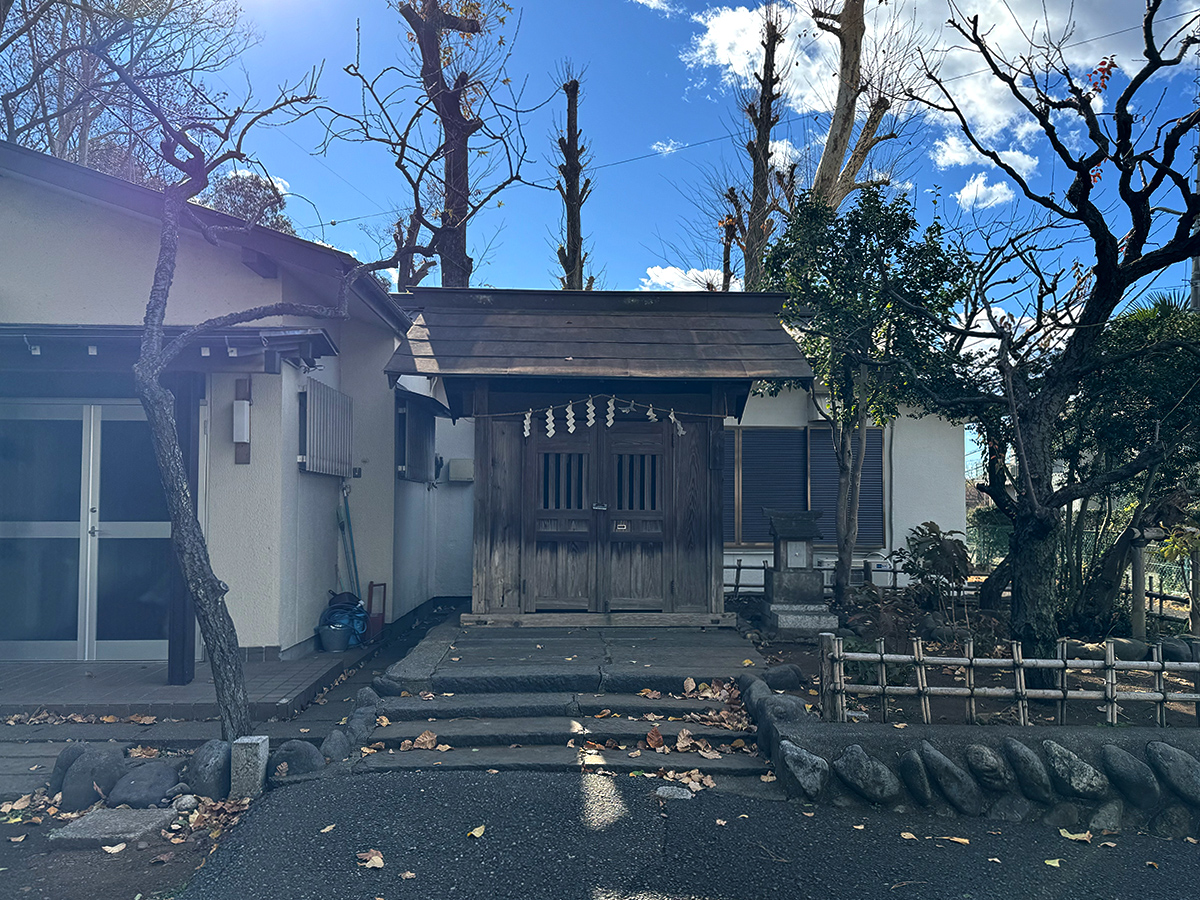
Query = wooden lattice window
x=564 y=480
x=637 y=481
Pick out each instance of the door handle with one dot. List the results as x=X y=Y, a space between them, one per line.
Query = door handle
x=600 y=507
x=93 y=531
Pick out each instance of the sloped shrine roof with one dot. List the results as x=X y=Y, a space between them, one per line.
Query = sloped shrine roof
x=587 y=334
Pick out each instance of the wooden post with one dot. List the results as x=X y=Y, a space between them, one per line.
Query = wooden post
x=1160 y=685
x=882 y=672
x=922 y=681
x=1195 y=646
x=969 y=649
x=839 y=680
x=1194 y=602
x=1062 y=681
x=1138 y=601
x=825 y=646
x=1110 y=682
x=737 y=580
x=1019 y=683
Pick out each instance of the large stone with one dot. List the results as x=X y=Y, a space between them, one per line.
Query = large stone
x=1072 y=776
x=754 y=695
x=673 y=792
x=868 y=777
x=1132 y=777
x=1130 y=650
x=1175 y=650
x=208 y=770
x=785 y=677
x=1063 y=815
x=366 y=697
x=95 y=768
x=66 y=756
x=955 y=783
x=915 y=778
x=810 y=771
x=1032 y=776
x=1011 y=808
x=360 y=724
x=336 y=746
x=1107 y=818
x=988 y=767
x=776 y=709
x=248 y=765
x=145 y=786
x=1172 y=823
x=106 y=827
x=1181 y=771
x=301 y=758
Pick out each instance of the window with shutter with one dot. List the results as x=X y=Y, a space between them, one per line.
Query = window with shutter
x=823 y=486
x=773 y=476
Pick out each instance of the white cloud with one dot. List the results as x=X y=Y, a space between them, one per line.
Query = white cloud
x=783 y=154
x=661 y=6
x=667 y=147
x=954 y=150
x=978 y=194
x=673 y=278
x=280 y=184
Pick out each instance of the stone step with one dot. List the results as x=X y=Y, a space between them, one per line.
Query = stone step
x=552 y=678
x=730 y=764
x=510 y=705
x=466 y=733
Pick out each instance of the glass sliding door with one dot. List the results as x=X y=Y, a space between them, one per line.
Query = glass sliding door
x=86 y=566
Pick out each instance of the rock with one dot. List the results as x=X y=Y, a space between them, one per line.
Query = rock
x=754 y=695
x=1175 y=650
x=105 y=827
x=336 y=746
x=745 y=679
x=988 y=767
x=180 y=788
x=360 y=724
x=779 y=708
x=673 y=792
x=1063 y=815
x=145 y=786
x=1011 y=808
x=1107 y=818
x=96 y=767
x=186 y=803
x=844 y=633
x=1172 y=823
x=366 y=697
x=810 y=771
x=208 y=770
x=915 y=778
x=1181 y=771
x=387 y=686
x=1130 y=649
x=1072 y=776
x=868 y=777
x=68 y=755
x=943 y=634
x=1032 y=776
x=955 y=784
x=1080 y=650
x=1132 y=777
x=301 y=758
x=786 y=677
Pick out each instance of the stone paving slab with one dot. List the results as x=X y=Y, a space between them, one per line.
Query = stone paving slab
x=106 y=827
x=546 y=730
x=504 y=759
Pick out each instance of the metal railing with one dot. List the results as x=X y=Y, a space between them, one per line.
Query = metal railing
x=835 y=688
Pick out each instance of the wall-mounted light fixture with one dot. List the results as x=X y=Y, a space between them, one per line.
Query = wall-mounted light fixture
x=241 y=421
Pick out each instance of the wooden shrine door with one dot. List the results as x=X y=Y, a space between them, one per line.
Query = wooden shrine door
x=597 y=520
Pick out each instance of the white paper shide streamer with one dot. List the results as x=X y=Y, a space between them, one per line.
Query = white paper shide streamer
x=611 y=415
x=678 y=425
x=550 y=422
x=591 y=412
x=650 y=414
x=528 y=423
x=570 y=418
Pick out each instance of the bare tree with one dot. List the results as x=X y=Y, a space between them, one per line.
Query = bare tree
x=57 y=96
x=574 y=194
x=452 y=128
x=1030 y=335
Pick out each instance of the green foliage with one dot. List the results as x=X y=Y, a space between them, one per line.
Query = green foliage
x=988 y=532
x=249 y=196
x=846 y=275
x=935 y=560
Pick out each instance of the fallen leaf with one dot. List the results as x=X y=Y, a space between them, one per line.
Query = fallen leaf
x=328 y=828
x=710 y=754
x=17 y=839
x=406 y=744
x=859 y=827
x=956 y=840
x=1084 y=837
x=455 y=658
x=1057 y=863
x=1191 y=840
x=21 y=804
x=722 y=822
x=426 y=740
x=571 y=743
x=305 y=730
x=743 y=816
x=115 y=848
x=635 y=754
x=900 y=725
x=34 y=768
x=769 y=777
x=281 y=770
x=383 y=721
x=476 y=832
x=371 y=859
x=908 y=835
x=407 y=875
x=163 y=858
x=689 y=685
x=602 y=714
x=993 y=859
x=654 y=738
x=1151 y=865
x=808 y=814
x=746 y=663
x=108 y=720
x=1108 y=844
x=493 y=771
x=442 y=748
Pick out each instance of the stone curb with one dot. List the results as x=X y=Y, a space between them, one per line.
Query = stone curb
x=1067 y=776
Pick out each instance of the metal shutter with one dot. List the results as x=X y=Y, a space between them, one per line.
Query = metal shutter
x=823 y=486
x=773 y=475
x=728 y=487
x=328 y=423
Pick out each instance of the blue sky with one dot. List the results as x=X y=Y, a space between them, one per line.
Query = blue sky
x=659 y=75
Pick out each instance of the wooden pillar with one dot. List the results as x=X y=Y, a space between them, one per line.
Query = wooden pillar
x=716 y=471
x=483 y=470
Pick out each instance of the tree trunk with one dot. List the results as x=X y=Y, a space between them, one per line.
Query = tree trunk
x=761 y=113
x=851 y=451
x=191 y=550
x=991 y=592
x=570 y=254
x=850 y=30
x=1033 y=595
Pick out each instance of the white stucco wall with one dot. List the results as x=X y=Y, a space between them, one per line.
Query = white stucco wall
x=103 y=264
x=454 y=512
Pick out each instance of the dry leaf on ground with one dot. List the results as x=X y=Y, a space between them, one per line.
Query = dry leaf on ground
x=654 y=738
x=722 y=822
x=20 y=804
x=859 y=827
x=1084 y=837
x=747 y=662
x=407 y=875
x=17 y=839
x=908 y=835
x=442 y=748
x=956 y=840
x=115 y=848
x=476 y=832
x=689 y=685
x=1108 y=844
x=1054 y=862
x=426 y=740
x=328 y=828
x=383 y=721
x=371 y=859
x=1151 y=865
x=769 y=777
x=993 y=859
x=604 y=713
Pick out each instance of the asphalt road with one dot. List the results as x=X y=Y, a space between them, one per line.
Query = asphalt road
x=601 y=838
